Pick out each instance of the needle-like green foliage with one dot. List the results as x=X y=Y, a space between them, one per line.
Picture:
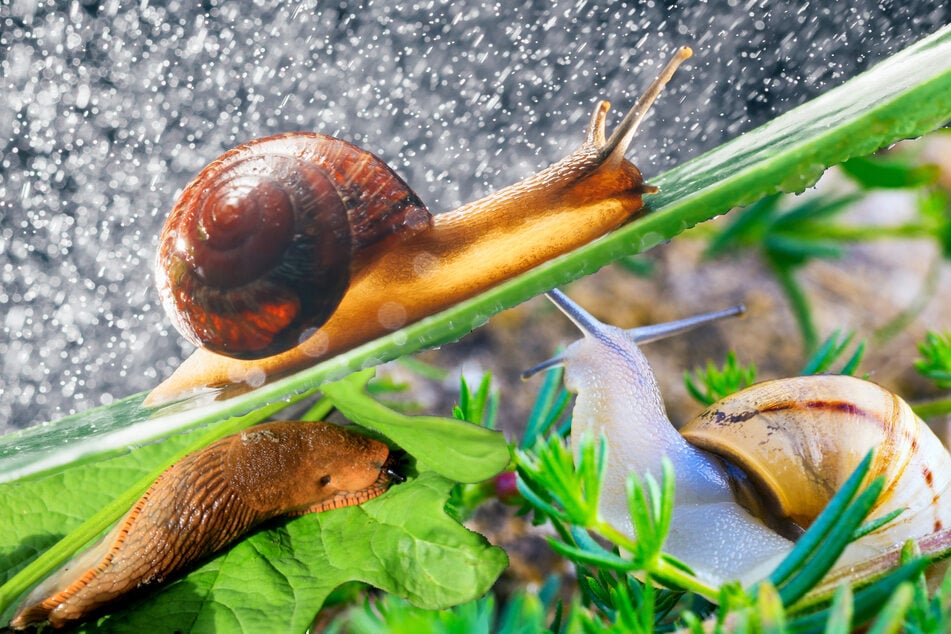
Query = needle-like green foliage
x=709 y=384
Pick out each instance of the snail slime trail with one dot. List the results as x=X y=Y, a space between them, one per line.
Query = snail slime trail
x=290 y=249
x=793 y=442
x=209 y=499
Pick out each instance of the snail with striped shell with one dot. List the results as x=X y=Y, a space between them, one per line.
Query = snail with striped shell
x=296 y=247
x=793 y=442
x=207 y=500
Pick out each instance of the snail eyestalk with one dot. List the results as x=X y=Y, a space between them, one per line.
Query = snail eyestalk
x=644 y=334
x=621 y=138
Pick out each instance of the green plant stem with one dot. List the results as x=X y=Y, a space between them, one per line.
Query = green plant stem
x=656 y=566
x=840 y=232
x=868 y=233
x=799 y=304
x=910 y=312
x=933 y=409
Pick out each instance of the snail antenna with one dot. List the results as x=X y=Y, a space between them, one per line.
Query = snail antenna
x=578 y=315
x=646 y=334
x=581 y=318
x=621 y=138
x=643 y=334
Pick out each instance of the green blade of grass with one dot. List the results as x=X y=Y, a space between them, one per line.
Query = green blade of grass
x=809 y=543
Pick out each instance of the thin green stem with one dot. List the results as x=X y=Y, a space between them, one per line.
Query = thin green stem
x=656 y=566
x=799 y=304
x=933 y=409
x=868 y=233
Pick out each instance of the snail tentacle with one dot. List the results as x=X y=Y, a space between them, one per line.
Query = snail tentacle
x=623 y=134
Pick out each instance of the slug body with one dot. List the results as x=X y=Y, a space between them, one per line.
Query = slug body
x=789 y=443
x=428 y=264
x=207 y=500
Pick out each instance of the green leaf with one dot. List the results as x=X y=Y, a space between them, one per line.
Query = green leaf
x=840 y=614
x=401 y=542
x=891 y=617
x=829 y=352
x=456 y=449
x=873 y=172
x=549 y=405
x=708 y=385
x=830 y=530
x=935 y=361
x=36 y=514
x=934 y=205
x=769 y=606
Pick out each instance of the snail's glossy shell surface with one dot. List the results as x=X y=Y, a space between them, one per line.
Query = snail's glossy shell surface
x=798 y=439
x=260 y=246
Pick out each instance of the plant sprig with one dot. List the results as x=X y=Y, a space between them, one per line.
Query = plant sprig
x=935 y=361
x=566 y=492
x=709 y=384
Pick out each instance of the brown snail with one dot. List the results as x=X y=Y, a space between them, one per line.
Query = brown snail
x=786 y=445
x=399 y=263
x=210 y=498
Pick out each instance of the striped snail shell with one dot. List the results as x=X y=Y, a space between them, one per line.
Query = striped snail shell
x=796 y=440
x=260 y=247
x=208 y=499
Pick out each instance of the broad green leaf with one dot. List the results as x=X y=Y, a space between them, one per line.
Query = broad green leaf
x=458 y=450
x=277 y=580
x=402 y=542
x=36 y=514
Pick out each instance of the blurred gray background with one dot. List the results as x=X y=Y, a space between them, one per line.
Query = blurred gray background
x=107 y=110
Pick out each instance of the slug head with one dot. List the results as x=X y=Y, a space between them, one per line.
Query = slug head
x=294 y=468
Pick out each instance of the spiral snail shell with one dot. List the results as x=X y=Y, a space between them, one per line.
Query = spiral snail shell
x=207 y=500
x=402 y=264
x=776 y=452
x=261 y=245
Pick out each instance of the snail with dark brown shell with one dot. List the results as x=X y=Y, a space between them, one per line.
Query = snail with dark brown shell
x=207 y=500
x=296 y=247
x=785 y=445
x=260 y=247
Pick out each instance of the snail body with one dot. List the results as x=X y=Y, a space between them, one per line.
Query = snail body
x=755 y=469
x=424 y=265
x=207 y=500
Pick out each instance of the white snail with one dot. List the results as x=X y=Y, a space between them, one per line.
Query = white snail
x=793 y=441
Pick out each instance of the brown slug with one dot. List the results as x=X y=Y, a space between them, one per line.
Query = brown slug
x=208 y=499
x=296 y=247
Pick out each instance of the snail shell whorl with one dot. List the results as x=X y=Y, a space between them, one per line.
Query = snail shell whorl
x=798 y=439
x=207 y=500
x=261 y=244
